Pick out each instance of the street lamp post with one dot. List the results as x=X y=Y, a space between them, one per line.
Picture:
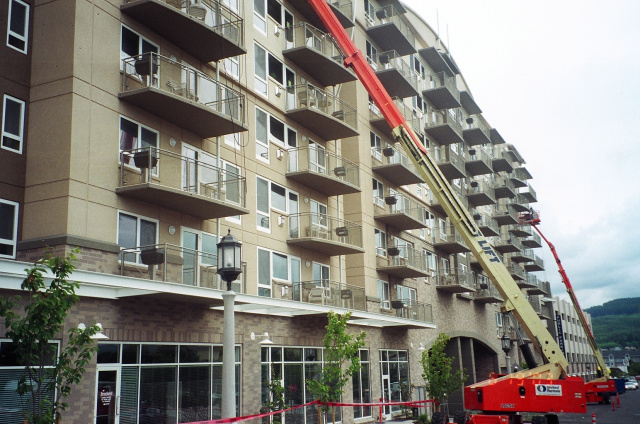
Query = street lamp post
x=229 y=267
x=505 y=341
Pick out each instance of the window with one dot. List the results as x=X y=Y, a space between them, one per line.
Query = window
x=262 y=135
x=394 y=372
x=445 y=266
x=369 y=12
x=381 y=243
x=135 y=136
x=233 y=140
x=133 y=44
x=372 y=56
x=260 y=80
x=231 y=67
x=442 y=229
x=135 y=232
x=499 y=323
x=383 y=294
x=276 y=266
x=271 y=129
x=18 y=25
x=317 y=158
x=260 y=15
x=320 y=274
x=12 y=124
x=362 y=386
x=318 y=214
x=405 y=293
x=8 y=228
x=376 y=145
x=200 y=249
x=378 y=193
x=271 y=195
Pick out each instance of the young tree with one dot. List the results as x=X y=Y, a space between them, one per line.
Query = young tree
x=340 y=350
x=48 y=377
x=437 y=373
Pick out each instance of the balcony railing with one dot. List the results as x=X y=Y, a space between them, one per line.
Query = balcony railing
x=329 y=293
x=182 y=95
x=487 y=224
x=441 y=91
x=412 y=309
x=449 y=239
x=413 y=117
x=530 y=194
x=175 y=264
x=400 y=212
x=449 y=161
x=486 y=292
x=323 y=171
x=325 y=234
x=478 y=162
x=503 y=187
x=455 y=282
x=444 y=126
x=395 y=166
x=317 y=54
x=476 y=132
x=181 y=183
x=395 y=73
x=323 y=113
x=390 y=31
x=501 y=159
x=403 y=262
x=533 y=241
x=480 y=193
x=209 y=30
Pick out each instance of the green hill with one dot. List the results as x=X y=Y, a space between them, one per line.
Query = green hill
x=616 y=323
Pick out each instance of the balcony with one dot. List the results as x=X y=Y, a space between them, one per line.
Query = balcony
x=469 y=104
x=403 y=262
x=539 y=306
x=176 y=264
x=444 y=127
x=450 y=163
x=208 y=30
x=323 y=171
x=181 y=184
x=436 y=61
x=536 y=265
x=509 y=244
x=478 y=162
x=413 y=310
x=325 y=234
x=321 y=112
x=328 y=293
x=475 y=132
x=343 y=10
x=530 y=194
x=520 y=230
x=501 y=160
x=457 y=190
x=449 y=240
x=441 y=91
x=542 y=287
x=516 y=271
x=503 y=187
x=414 y=119
x=486 y=292
x=480 y=193
x=389 y=30
x=317 y=54
x=519 y=176
x=505 y=215
x=395 y=166
x=183 y=96
x=520 y=257
x=496 y=138
x=400 y=212
x=455 y=282
x=520 y=203
x=395 y=74
x=487 y=224
x=533 y=241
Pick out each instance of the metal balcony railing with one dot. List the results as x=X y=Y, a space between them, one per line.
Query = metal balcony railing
x=397 y=203
x=175 y=264
x=171 y=77
x=453 y=278
x=413 y=117
x=447 y=234
x=393 y=60
x=315 y=159
x=326 y=227
x=309 y=96
x=531 y=279
x=404 y=255
x=329 y=293
x=412 y=309
x=486 y=289
x=389 y=155
x=389 y=14
x=478 y=154
x=306 y=35
x=169 y=169
x=447 y=154
x=480 y=186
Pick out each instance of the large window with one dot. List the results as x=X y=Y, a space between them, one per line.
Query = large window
x=18 y=25
x=8 y=228
x=135 y=136
x=278 y=267
x=270 y=129
x=394 y=371
x=12 y=124
x=200 y=250
x=378 y=193
x=383 y=294
x=135 y=231
x=160 y=383
x=362 y=386
x=271 y=195
x=381 y=243
x=133 y=44
x=267 y=64
x=376 y=145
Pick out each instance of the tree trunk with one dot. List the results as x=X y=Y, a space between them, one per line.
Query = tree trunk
x=333 y=414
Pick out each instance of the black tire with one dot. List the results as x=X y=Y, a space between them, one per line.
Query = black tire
x=538 y=419
x=439 y=418
x=461 y=417
x=606 y=398
x=552 y=419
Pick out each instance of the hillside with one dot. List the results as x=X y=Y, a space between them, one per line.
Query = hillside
x=616 y=323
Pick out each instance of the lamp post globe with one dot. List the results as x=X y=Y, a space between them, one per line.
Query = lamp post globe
x=229 y=258
x=505 y=341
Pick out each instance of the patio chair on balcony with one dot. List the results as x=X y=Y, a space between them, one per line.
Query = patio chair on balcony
x=318 y=231
x=197 y=10
x=306 y=98
x=320 y=295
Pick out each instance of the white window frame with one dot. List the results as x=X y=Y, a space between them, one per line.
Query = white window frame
x=401 y=291
x=260 y=83
x=141 y=39
x=14 y=237
x=287 y=211
x=319 y=215
x=233 y=140
x=378 y=193
x=384 y=294
x=376 y=146
x=372 y=55
x=20 y=37
x=231 y=67
x=380 y=242
x=138 y=141
x=17 y=137
x=260 y=20
x=138 y=219
x=289 y=279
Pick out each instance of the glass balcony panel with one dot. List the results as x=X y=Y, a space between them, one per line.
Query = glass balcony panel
x=400 y=212
x=395 y=74
x=450 y=163
x=475 y=132
x=325 y=234
x=323 y=171
x=329 y=293
x=393 y=165
x=480 y=193
x=403 y=262
x=441 y=91
x=413 y=310
x=449 y=239
x=414 y=118
x=388 y=29
x=444 y=126
x=343 y=9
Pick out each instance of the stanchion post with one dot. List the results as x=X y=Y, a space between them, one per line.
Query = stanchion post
x=593 y=418
x=613 y=405
x=381 y=400
x=618 y=400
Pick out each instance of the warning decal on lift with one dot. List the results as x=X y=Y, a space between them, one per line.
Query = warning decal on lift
x=548 y=390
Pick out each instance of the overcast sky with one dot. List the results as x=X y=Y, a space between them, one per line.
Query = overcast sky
x=560 y=80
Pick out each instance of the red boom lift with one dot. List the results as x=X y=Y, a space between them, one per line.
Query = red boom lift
x=544 y=389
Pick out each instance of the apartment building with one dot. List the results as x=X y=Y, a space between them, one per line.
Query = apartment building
x=140 y=131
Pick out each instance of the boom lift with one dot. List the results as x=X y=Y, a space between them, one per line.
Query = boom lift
x=543 y=389
x=600 y=389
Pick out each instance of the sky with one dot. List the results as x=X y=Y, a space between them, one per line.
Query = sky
x=560 y=80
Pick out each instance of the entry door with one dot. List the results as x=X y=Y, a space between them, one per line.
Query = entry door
x=108 y=396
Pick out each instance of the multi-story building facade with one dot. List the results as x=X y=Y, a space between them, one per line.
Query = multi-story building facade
x=139 y=131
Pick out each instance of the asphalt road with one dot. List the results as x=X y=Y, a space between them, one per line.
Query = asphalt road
x=627 y=413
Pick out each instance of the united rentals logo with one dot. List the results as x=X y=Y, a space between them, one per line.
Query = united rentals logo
x=548 y=390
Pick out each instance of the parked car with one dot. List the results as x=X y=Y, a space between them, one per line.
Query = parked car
x=631 y=384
